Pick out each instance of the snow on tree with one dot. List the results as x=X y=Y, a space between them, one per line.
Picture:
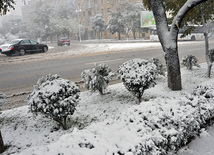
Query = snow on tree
x=98 y=24
x=6 y=5
x=189 y=61
x=2 y=101
x=115 y=23
x=199 y=15
x=97 y=78
x=54 y=97
x=138 y=75
x=131 y=15
x=168 y=36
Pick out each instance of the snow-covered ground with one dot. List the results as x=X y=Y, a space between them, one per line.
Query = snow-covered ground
x=113 y=123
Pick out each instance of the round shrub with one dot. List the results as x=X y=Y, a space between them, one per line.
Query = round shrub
x=97 y=78
x=138 y=75
x=159 y=65
x=2 y=99
x=54 y=97
x=189 y=61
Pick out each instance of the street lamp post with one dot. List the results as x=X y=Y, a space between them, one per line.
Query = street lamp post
x=78 y=12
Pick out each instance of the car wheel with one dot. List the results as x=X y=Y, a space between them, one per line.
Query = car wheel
x=22 y=52
x=45 y=49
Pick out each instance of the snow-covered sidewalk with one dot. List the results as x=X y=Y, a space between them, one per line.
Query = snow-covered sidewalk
x=202 y=145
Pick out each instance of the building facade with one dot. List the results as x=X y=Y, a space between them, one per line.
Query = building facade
x=89 y=8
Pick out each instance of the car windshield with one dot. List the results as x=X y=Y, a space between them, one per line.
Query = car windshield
x=14 y=41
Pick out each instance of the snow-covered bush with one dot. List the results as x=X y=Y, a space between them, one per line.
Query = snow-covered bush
x=189 y=61
x=211 y=55
x=159 y=65
x=2 y=99
x=55 y=98
x=97 y=78
x=138 y=75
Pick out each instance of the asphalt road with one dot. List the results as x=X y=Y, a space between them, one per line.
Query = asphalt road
x=16 y=78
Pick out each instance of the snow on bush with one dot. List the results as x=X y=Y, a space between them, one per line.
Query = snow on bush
x=55 y=98
x=138 y=75
x=159 y=65
x=2 y=99
x=97 y=78
x=189 y=61
x=211 y=55
x=155 y=127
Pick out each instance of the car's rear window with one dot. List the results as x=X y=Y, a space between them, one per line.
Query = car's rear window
x=14 y=41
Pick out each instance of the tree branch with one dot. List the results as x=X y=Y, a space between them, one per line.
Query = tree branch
x=183 y=11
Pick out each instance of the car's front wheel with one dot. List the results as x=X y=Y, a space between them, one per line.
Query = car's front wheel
x=45 y=49
x=22 y=52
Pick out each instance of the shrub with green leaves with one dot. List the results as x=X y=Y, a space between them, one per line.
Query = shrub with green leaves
x=159 y=65
x=54 y=97
x=2 y=99
x=211 y=55
x=189 y=61
x=97 y=78
x=138 y=75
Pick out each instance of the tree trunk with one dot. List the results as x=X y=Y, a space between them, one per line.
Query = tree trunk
x=64 y=123
x=134 y=34
x=173 y=69
x=119 y=35
x=209 y=63
x=99 y=35
x=1 y=143
x=168 y=40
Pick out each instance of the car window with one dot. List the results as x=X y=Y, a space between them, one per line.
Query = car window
x=26 y=42
x=33 y=42
x=14 y=41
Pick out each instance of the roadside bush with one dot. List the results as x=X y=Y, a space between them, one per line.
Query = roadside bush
x=138 y=75
x=97 y=78
x=54 y=97
x=189 y=61
x=159 y=65
x=2 y=99
x=158 y=127
x=211 y=55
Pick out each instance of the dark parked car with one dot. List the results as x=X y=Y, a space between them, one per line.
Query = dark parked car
x=22 y=46
x=63 y=41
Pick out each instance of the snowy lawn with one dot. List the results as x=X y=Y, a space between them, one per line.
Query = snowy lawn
x=115 y=123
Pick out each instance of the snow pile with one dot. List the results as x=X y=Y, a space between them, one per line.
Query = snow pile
x=97 y=78
x=55 y=98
